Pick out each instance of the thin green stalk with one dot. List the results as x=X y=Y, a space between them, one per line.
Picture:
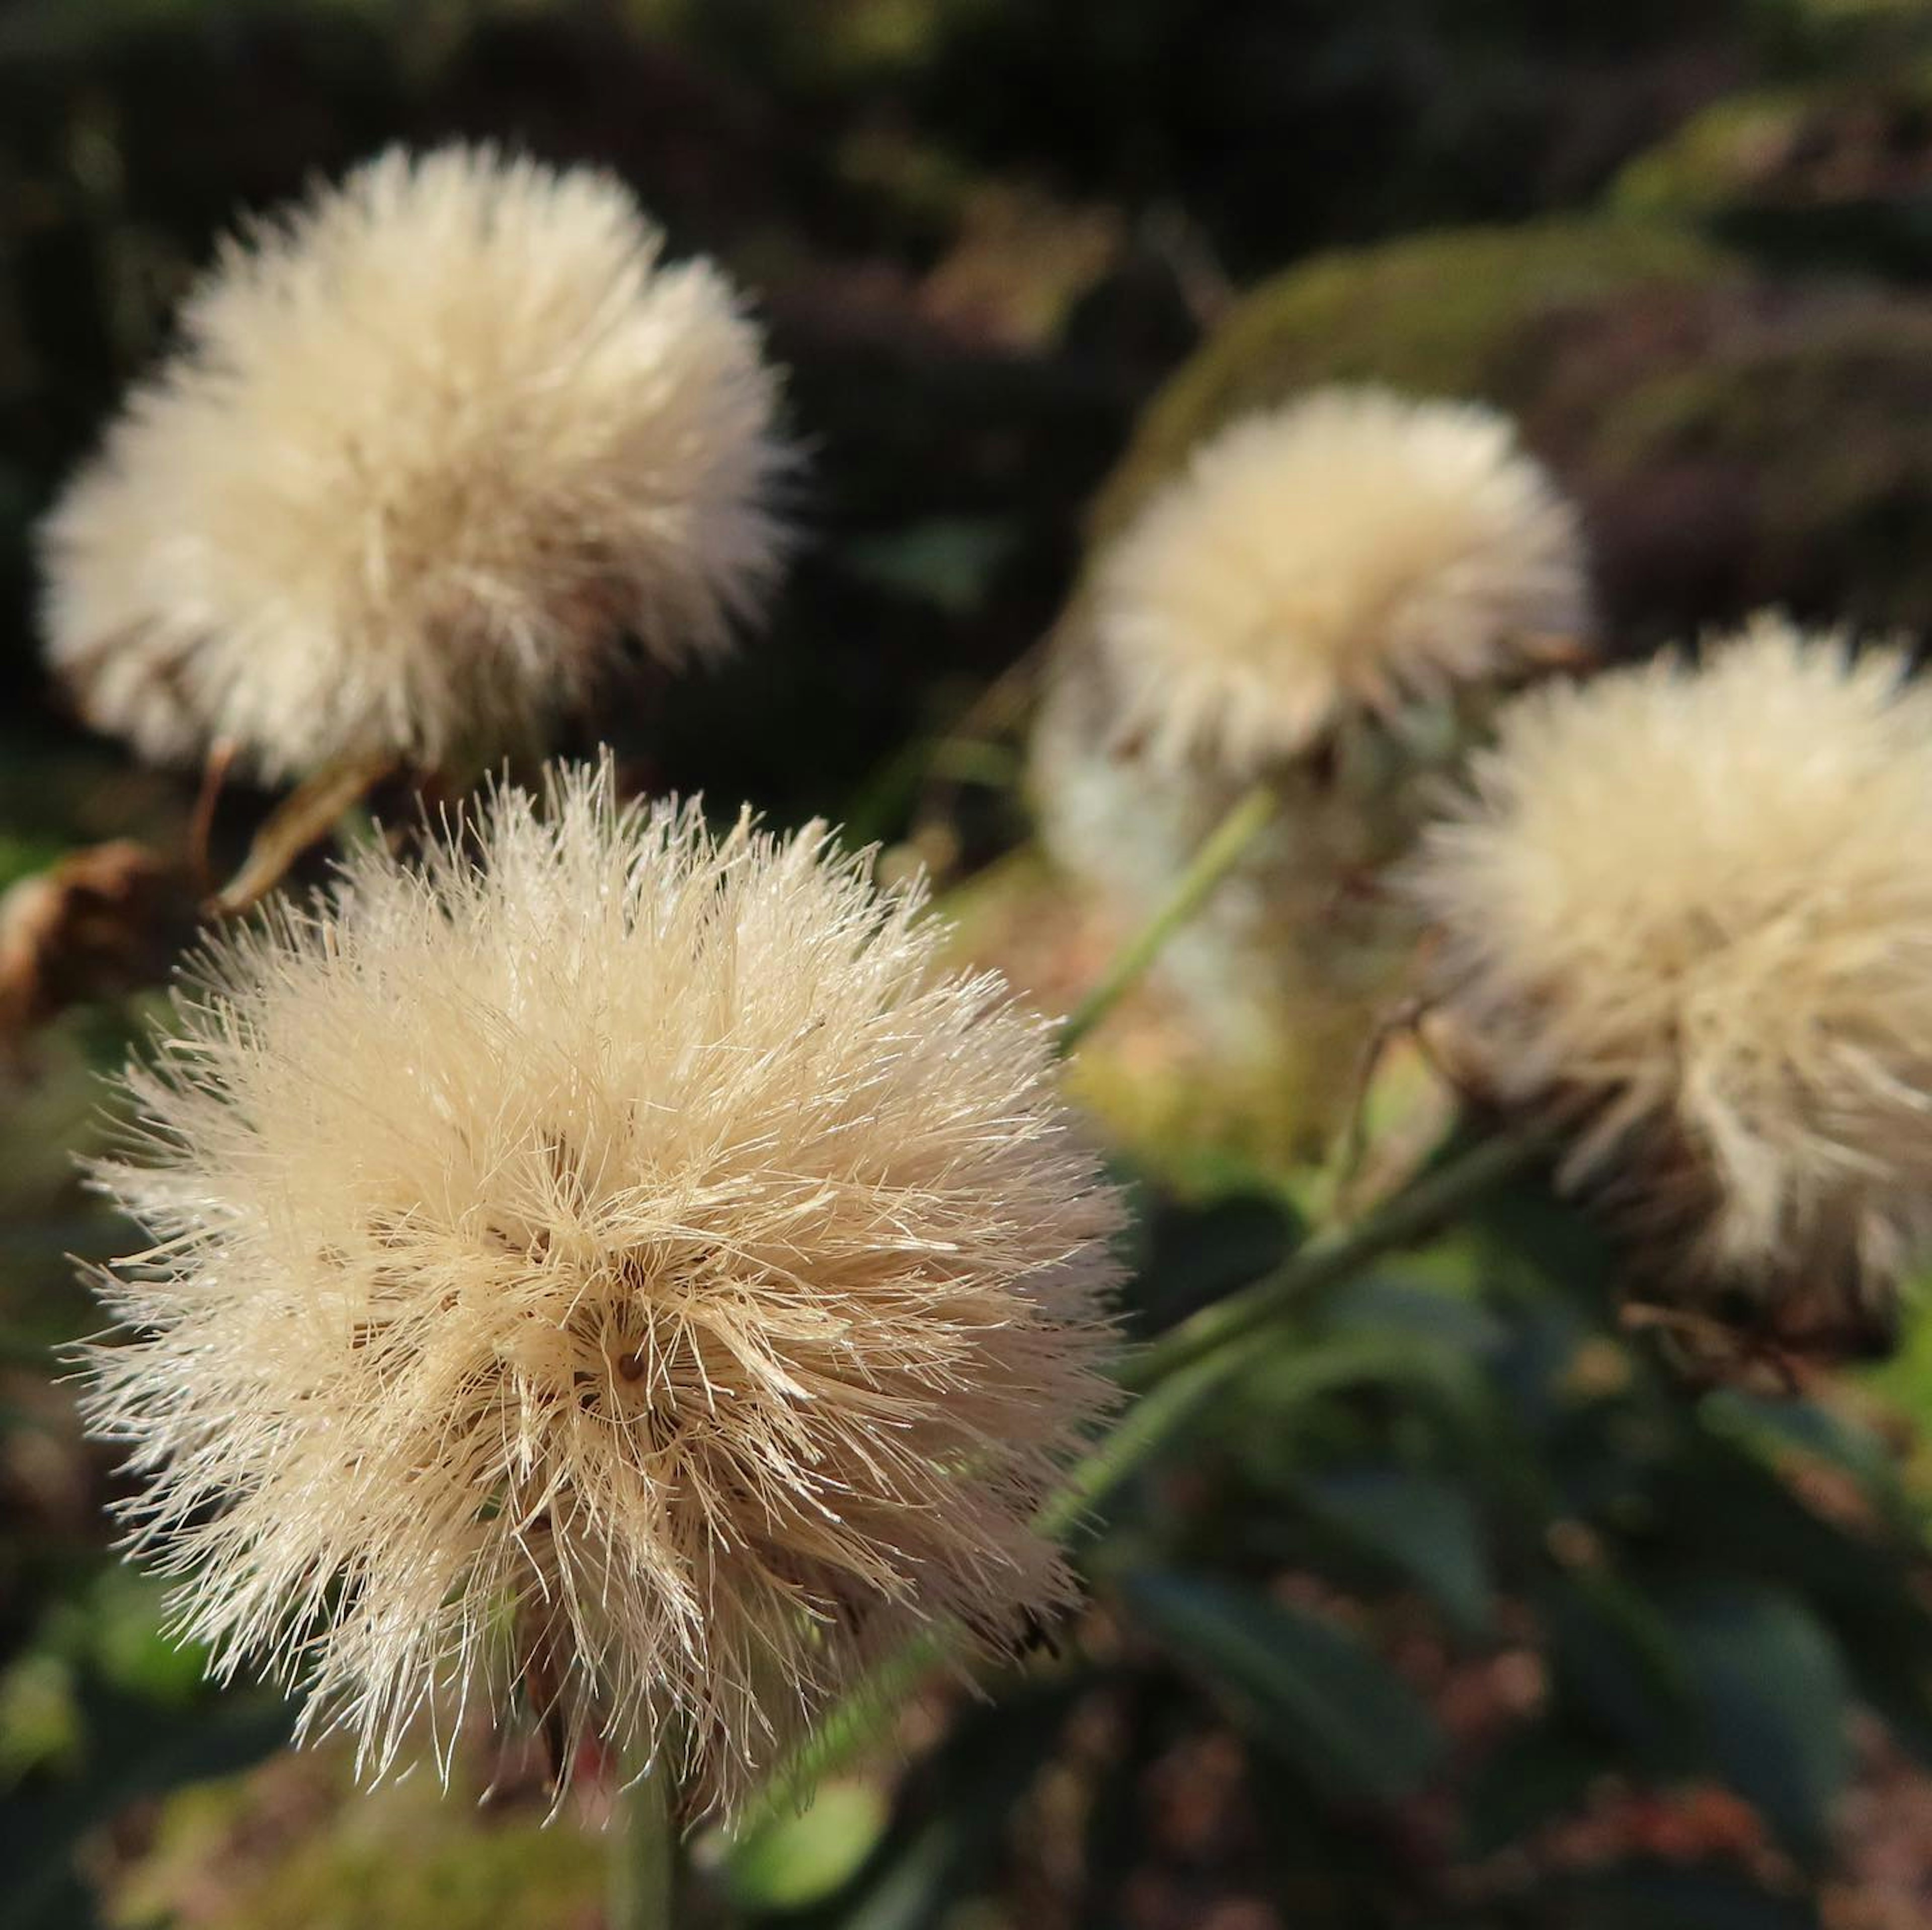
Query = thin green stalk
x=1154 y=1419
x=1220 y=852
x=644 y=1848
x=854 y=1723
x=1428 y=1202
x=862 y=1716
x=1173 y=1377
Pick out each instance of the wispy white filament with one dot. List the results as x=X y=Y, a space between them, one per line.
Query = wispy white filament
x=1689 y=909
x=1352 y=549
x=613 y=1262
x=432 y=447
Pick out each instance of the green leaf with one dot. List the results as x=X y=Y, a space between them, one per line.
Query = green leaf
x=1644 y=1896
x=1777 y=1698
x=1289 y=1377
x=114 y=1627
x=40 y=1717
x=1199 y=1254
x=1618 y=1662
x=1773 y=1429
x=947 y=561
x=793 y=1860
x=1531 y=1236
x=1303 y=1687
x=1438 y=1316
x=923 y=1880
x=1722 y=1510
x=1423 y=1525
x=132 y=1750
x=945 y=1850
x=1535 y=1776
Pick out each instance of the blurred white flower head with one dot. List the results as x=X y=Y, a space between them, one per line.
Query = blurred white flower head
x=432 y=447
x=615 y=1260
x=1351 y=550
x=1686 y=912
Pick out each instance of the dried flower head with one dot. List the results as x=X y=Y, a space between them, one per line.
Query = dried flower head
x=1351 y=550
x=1279 y=980
x=1687 y=913
x=614 y=1260
x=433 y=446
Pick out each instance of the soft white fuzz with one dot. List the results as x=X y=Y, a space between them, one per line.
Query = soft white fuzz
x=614 y=1262
x=432 y=447
x=1351 y=550
x=1689 y=911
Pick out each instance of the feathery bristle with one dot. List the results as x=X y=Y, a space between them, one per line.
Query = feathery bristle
x=434 y=446
x=1687 y=912
x=1352 y=549
x=610 y=1241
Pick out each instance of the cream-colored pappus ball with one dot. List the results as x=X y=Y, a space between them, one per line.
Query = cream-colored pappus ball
x=1686 y=913
x=1352 y=550
x=617 y=1263
x=434 y=448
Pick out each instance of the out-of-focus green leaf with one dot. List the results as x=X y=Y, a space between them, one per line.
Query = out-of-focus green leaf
x=1666 y=1897
x=1720 y=1508
x=109 y=1628
x=1422 y=1524
x=126 y=1644
x=1311 y=1368
x=1904 y=1381
x=21 y=855
x=1536 y=1776
x=1530 y=1236
x=1618 y=1662
x=1768 y=1428
x=1303 y=1687
x=940 y=1854
x=945 y=561
x=1197 y=1255
x=40 y=1717
x=916 y=1888
x=794 y=1861
x=1776 y=1698
x=1291 y=1383
x=132 y=1750
x=1441 y=1316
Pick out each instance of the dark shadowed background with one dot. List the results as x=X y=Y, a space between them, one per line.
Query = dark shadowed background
x=1545 y=1636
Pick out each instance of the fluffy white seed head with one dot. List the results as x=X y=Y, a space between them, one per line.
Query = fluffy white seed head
x=432 y=447
x=1689 y=913
x=1352 y=550
x=612 y=1262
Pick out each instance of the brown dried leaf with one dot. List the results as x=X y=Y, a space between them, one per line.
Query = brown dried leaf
x=101 y=921
x=305 y=817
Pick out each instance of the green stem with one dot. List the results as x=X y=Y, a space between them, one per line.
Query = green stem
x=1425 y=1204
x=644 y=1848
x=1222 y=849
x=1173 y=1377
x=1158 y=1415
x=859 y=1717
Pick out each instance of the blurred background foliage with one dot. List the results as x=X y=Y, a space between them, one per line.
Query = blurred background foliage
x=1465 y=1604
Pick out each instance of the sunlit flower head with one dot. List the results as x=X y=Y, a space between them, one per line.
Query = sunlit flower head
x=616 y=1261
x=433 y=449
x=1686 y=912
x=1351 y=551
